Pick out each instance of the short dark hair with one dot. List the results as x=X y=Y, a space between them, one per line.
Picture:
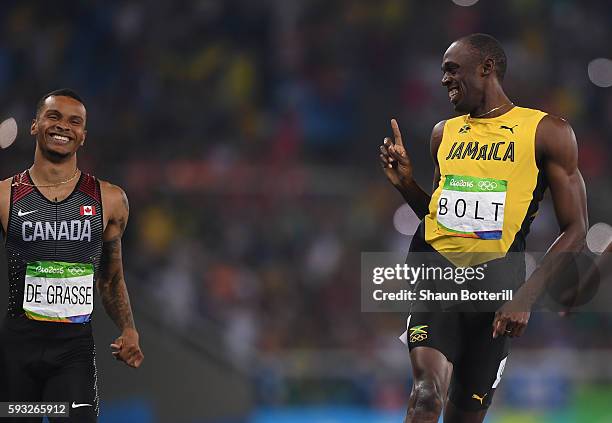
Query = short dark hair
x=62 y=92
x=488 y=46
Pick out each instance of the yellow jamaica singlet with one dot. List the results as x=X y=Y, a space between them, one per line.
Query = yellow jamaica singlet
x=489 y=186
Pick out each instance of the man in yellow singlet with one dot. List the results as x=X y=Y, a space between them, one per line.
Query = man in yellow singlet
x=492 y=165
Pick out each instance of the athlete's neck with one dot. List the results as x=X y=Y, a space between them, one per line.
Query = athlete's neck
x=44 y=171
x=494 y=103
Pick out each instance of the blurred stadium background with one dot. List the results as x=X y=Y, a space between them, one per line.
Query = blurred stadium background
x=246 y=135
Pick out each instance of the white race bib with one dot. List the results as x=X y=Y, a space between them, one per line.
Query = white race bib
x=58 y=291
x=472 y=207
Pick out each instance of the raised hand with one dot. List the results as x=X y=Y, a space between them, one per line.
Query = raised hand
x=395 y=160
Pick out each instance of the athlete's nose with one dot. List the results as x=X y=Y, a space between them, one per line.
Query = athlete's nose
x=445 y=80
x=61 y=127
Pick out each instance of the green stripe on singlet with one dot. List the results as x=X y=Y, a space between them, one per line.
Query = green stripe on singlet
x=58 y=269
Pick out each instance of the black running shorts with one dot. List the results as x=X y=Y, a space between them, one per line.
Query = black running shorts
x=466 y=340
x=35 y=368
x=463 y=332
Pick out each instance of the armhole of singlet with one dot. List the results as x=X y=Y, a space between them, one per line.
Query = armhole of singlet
x=537 y=195
x=8 y=221
x=444 y=131
x=541 y=115
x=99 y=188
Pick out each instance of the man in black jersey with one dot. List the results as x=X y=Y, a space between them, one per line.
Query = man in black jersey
x=63 y=231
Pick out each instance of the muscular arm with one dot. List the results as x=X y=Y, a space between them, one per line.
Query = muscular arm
x=434 y=146
x=111 y=283
x=558 y=154
x=560 y=163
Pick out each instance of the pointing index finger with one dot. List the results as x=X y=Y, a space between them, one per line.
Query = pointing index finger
x=397 y=135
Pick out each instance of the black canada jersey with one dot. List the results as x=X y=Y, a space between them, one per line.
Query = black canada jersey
x=53 y=251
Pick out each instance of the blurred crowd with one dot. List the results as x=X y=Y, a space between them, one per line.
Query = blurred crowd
x=246 y=136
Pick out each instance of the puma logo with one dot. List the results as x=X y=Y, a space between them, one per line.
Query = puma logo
x=478 y=398
x=508 y=128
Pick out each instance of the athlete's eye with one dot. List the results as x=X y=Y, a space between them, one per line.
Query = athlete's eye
x=450 y=68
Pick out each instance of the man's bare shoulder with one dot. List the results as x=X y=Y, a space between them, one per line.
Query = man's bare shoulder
x=5 y=200
x=436 y=138
x=113 y=196
x=553 y=123
x=5 y=185
x=5 y=190
x=110 y=190
x=438 y=129
x=555 y=135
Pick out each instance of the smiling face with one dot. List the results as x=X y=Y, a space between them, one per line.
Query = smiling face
x=464 y=76
x=59 y=127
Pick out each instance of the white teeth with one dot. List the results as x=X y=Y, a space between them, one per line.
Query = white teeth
x=60 y=138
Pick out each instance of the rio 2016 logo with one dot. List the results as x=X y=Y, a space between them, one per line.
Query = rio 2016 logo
x=487 y=185
x=461 y=183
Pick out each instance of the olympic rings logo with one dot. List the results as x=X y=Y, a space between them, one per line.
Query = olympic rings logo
x=76 y=270
x=417 y=337
x=487 y=185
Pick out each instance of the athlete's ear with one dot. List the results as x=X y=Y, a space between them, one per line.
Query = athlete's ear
x=84 y=136
x=488 y=66
x=34 y=127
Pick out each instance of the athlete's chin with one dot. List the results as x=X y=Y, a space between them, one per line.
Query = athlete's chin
x=460 y=107
x=57 y=154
